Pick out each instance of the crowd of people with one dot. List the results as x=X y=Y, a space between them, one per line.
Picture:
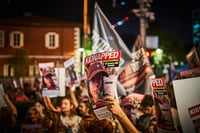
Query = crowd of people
x=27 y=111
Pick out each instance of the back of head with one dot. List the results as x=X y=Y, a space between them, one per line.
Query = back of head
x=147 y=101
x=99 y=126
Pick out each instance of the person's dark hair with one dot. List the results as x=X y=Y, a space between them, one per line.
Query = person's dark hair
x=87 y=104
x=99 y=126
x=27 y=118
x=147 y=101
x=143 y=122
x=44 y=84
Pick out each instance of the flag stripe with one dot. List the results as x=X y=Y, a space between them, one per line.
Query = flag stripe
x=135 y=80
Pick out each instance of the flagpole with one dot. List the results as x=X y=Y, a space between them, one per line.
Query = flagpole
x=85 y=22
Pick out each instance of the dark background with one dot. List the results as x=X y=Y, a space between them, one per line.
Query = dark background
x=174 y=16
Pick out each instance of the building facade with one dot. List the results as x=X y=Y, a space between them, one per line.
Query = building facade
x=44 y=39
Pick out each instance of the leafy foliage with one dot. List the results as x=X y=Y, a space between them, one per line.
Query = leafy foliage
x=20 y=62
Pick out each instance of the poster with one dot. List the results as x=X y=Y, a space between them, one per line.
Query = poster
x=102 y=72
x=70 y=73
x=187 y=94
x=50 y=80
x=162 y=106
x=2 y=101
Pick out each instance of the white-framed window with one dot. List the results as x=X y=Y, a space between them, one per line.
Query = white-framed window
x=16 y=39
x=2 y=38
x=52 y=40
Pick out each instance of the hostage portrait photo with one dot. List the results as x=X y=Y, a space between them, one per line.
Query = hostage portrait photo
x=49 y=79
x=101 y=81
x=70 y=73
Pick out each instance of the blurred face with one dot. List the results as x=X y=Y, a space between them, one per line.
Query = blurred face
x=39 y=106
x=82 y=108
x=95 y=85
x=48 y=81
x=148 y=110
x=33 y=115
x=65 y=105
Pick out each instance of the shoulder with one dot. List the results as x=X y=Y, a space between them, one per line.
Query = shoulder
x=76 y=117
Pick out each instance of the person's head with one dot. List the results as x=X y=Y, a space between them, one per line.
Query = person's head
x=32 y=115
x=19 y=91
x=130 y=108
x=147 y=105
x=67 y=107
x=97 y=126
x=84 y=108
x=39 y=105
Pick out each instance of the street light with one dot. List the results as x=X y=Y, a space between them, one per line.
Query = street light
x=144 y=14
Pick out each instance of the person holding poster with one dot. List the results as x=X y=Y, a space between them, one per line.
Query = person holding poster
x=95 y=77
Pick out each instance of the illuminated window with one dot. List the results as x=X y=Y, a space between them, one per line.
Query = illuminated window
x=16 y=39
x=1 y=38
x=52 y=40
x=8 y=70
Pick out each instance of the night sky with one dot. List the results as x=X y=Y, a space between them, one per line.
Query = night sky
x=174 y=16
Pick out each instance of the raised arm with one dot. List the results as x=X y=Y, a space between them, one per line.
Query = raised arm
x=10 y=104
x=115 y=108
x=48 y=104
x=73 y=97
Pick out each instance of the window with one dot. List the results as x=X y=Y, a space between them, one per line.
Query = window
x=31 y=70
x=1 y=38
x=52 y=40
x=16 y=39
x=8 y=70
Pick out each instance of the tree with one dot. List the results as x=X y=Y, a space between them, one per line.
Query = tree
x=168 y=42
x=20 y=61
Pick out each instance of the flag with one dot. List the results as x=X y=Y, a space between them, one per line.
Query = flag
x=105 y=38
x=136 y=76
x=171 y=73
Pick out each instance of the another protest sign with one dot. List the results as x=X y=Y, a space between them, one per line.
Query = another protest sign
x=49 y=82
x=193 y=72
x=193 y=57
x=70 y=73
x=2 y=101
x=162 y=106
x=136 y=76
x=102 y=71
x=187 y=92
